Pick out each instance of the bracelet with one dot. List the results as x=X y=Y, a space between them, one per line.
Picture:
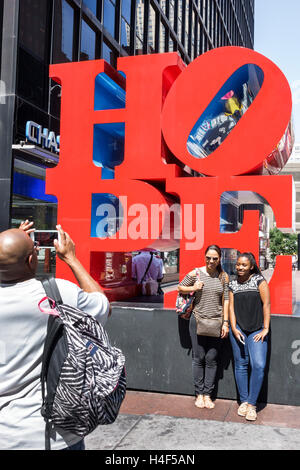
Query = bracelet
x=225 y=321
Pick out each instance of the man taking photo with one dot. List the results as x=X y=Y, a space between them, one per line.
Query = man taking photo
x=22 y=333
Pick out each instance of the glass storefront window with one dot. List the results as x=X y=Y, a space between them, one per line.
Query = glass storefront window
x=88 y=42
x=63 y=41
x=109 y=16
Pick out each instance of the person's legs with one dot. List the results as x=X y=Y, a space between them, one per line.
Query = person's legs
x=258 y=357
x=241 y=363
x=212 y=347
x=198 y=357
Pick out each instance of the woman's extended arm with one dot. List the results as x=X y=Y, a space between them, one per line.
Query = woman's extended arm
x=265 y=298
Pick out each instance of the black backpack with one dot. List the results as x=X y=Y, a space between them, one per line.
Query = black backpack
x=83 y=376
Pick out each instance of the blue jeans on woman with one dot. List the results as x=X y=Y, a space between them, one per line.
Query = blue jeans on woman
x=254 y=353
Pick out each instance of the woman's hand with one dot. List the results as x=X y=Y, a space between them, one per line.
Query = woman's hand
x=198 y=285
x=225 y=330
x=261 y=335
x=239 y=336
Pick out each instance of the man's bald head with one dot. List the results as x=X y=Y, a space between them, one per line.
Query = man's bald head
x=16 y=256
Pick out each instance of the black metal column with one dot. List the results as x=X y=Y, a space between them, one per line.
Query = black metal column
x=7 y=105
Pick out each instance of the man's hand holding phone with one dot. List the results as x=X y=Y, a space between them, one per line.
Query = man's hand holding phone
x=64 y=246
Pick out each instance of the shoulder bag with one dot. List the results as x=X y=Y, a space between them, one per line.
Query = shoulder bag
x=185 y=302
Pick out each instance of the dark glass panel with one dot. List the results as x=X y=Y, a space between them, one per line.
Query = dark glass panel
x=92 y=5
x=125 y=35
x=63 y=41
x=109 y=16
x=109 y=55
x=32 y=78
x=88 y=42
x=126 y=10
x=33 y=27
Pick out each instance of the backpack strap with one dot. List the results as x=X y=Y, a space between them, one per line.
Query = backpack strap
x=53 y=330
x=51 y=290
x=151 y=257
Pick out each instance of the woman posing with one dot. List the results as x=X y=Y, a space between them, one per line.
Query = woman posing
x=249 y=310
x=210 y=285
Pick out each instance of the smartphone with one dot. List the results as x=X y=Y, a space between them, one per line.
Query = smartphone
x=45 y=238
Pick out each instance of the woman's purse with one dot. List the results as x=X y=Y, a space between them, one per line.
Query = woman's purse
x=209 y=326
x=185 y=302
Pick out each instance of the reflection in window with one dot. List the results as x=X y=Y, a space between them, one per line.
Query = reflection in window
x=138 y=46
x=109 y=16
x=162 y=38
x=171 y=13
x=108 y=55
x=171 y=45
x=88 y=42
x=63 y=46
x=140 y=20
x=225 y=110
x=151 y=29
x=125 y=34
x=126 y=9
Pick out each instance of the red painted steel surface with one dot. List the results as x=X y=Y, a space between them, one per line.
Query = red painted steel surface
x=163 y=100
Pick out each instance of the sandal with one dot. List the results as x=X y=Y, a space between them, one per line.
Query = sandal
x=208 y=403
x=243 y=408
x=199 y=401
x=251 y=414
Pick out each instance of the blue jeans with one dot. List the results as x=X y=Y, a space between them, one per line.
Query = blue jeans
x=256 y=355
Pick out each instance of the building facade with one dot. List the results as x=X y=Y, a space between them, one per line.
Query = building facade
x=36 y=33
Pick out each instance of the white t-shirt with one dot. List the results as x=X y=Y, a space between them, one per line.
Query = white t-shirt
x=22 y=334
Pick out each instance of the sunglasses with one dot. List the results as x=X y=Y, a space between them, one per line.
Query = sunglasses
x=214 y=258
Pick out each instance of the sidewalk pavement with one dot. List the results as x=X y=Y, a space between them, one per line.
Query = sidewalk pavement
x=155 y=421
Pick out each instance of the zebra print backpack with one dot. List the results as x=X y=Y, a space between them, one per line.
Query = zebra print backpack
x=84 y=376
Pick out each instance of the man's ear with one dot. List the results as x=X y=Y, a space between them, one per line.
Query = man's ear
x=31 y=263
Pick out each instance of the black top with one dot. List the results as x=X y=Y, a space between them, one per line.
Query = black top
x=248 y=306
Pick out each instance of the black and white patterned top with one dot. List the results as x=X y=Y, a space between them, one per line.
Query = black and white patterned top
x=208 y=301
x=248 y=306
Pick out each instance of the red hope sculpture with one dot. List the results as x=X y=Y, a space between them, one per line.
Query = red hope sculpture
x=163 y=101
